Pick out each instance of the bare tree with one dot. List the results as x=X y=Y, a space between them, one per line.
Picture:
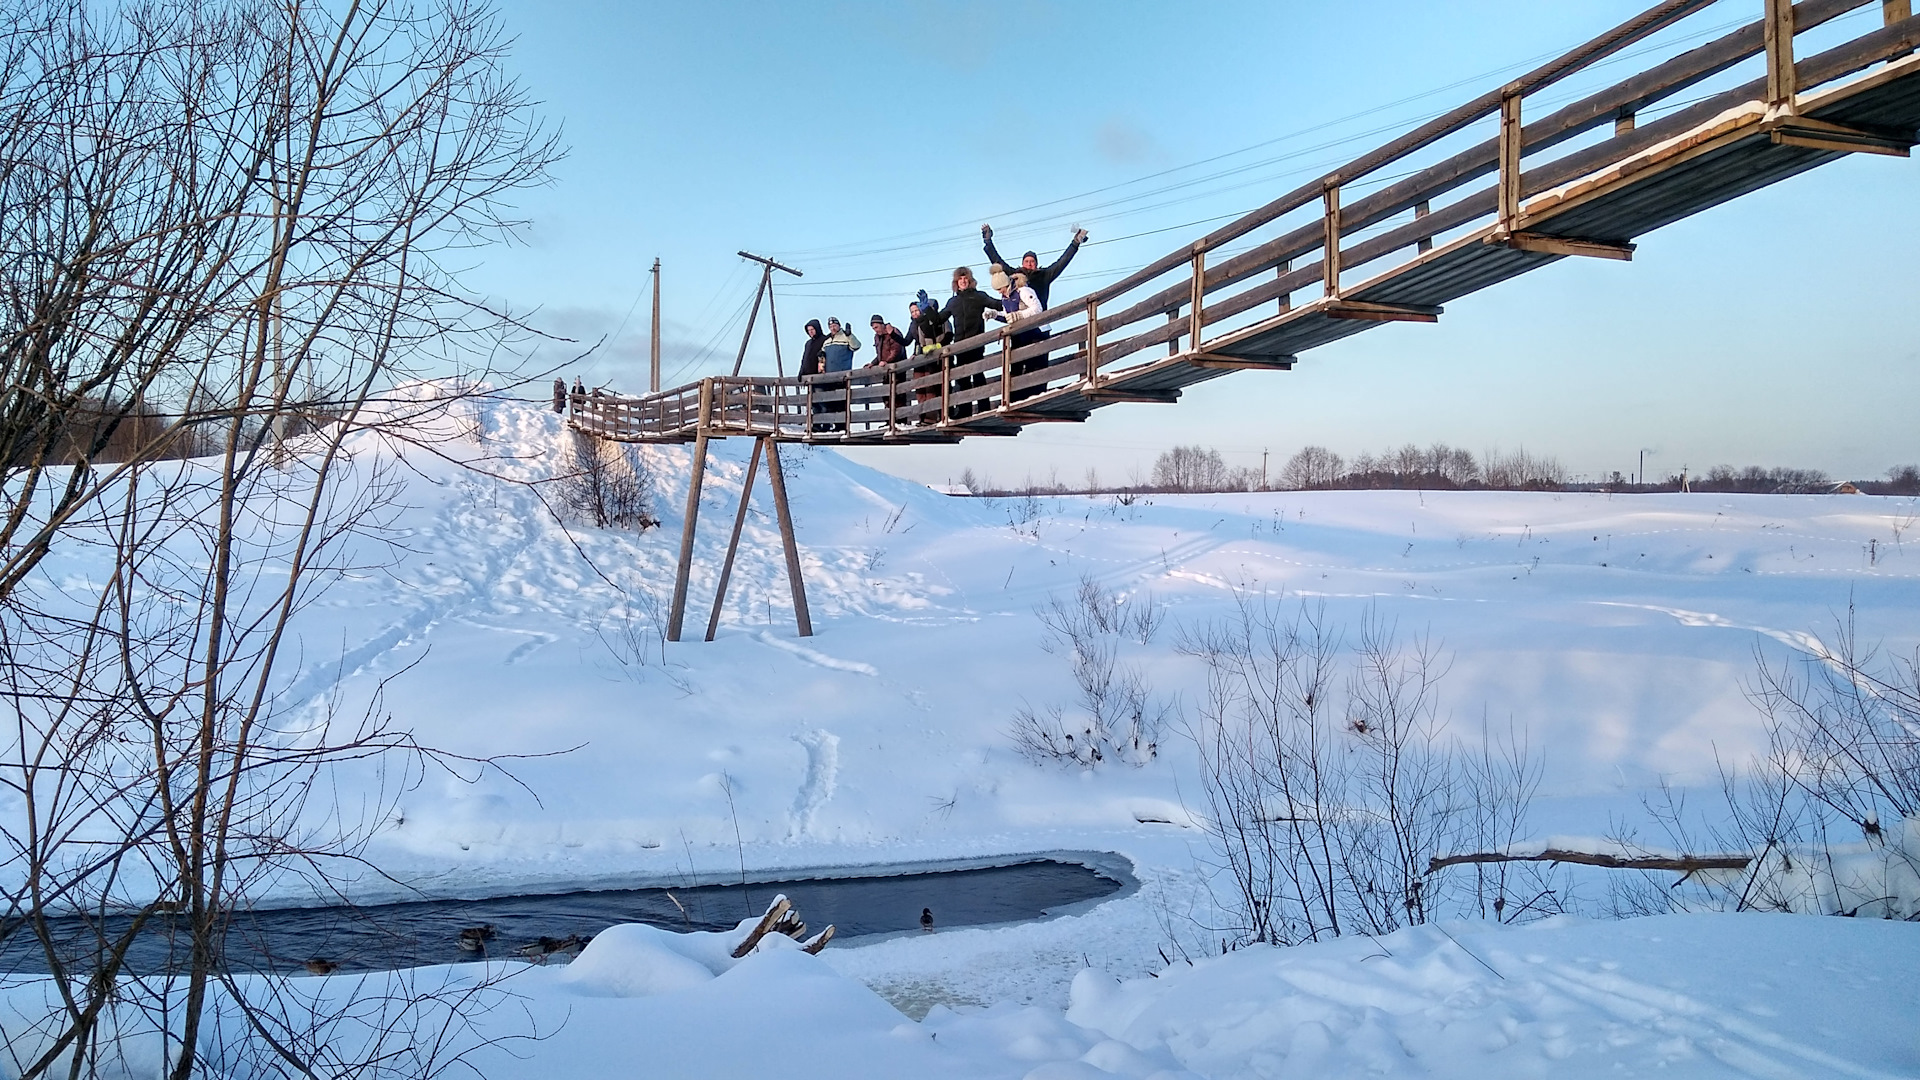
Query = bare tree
x=1190 y=468
x=237 y=213
x=607 y=485
x=1325 y=810
x=1312 y=468
x=1116 y=716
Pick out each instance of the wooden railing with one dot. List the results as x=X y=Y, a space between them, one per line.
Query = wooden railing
x=983 y=381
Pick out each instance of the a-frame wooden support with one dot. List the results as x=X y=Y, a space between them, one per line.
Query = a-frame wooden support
x=763 y=445
x=733 y=543
x=699 y=473
x=777 y=479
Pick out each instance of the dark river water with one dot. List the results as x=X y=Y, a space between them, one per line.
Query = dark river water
x=385 y=936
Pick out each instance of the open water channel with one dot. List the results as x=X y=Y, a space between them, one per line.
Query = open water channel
x=415 y=933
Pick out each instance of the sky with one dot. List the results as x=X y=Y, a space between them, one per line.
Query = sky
x=864 y=143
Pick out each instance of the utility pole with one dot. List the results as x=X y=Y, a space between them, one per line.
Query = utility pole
x=1263 y=469
x=654 y=383
x=767 y=267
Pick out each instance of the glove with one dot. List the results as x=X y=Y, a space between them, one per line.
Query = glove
x=986 y=232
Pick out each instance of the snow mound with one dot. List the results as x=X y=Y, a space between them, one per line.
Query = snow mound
x=635 y=960
x=1692 y=995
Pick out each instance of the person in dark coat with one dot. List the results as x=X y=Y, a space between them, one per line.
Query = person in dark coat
x=559 y=395
x=812 y=359
x=1039 y=278
x=966 y=314
x=928 y=333
x=810 y=356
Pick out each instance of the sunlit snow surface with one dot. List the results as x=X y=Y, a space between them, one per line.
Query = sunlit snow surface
x=1615 y=630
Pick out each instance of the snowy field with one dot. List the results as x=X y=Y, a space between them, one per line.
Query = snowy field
x=1615 y=632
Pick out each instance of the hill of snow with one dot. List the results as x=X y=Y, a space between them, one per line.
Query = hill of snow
x=1616 y=631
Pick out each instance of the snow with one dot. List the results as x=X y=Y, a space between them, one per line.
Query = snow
x=1688 y=995
x=1615 y=630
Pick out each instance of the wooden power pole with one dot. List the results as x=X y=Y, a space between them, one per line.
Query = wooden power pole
x=654 y=385
x=765 y=291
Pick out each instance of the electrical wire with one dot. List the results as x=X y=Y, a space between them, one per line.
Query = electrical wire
x=866 y=249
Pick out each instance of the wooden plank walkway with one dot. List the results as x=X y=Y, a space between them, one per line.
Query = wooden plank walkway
x=1532 y=193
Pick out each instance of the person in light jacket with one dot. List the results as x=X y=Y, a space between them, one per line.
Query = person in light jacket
x=1019 y=303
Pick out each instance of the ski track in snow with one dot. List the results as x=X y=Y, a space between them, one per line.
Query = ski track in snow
x=815 y=656
x=1742 y=1044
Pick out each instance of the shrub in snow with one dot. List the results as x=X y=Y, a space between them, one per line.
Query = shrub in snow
x=1831 y=813
x=606 y=484
x=1115 y=716
x=1328 y=786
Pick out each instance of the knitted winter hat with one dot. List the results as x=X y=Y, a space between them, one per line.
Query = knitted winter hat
x=998 y=276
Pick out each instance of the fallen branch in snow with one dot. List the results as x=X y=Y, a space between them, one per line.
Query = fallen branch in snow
x=775 y=911
x=781 y=918
x=1688 y=863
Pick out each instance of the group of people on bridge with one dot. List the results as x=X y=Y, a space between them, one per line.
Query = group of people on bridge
x=1023 y=294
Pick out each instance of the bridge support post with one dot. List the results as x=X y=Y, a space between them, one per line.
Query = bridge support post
x=1510 y=140
x=1093 y=345
x=777 y=480
x=1199 y=297
x=699 y=473
x=1330 y=258
x=1779 y=41
x=733 y=543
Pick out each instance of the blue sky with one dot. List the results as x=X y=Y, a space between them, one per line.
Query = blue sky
x=865 y=142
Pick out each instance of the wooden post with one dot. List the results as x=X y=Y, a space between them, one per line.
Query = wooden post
x=1173 y=343
x=653 y=385
x=1893 y=11
x=679 y=612
x=1093 y=345
x=1197 y=315
x=1623 y=124
x=1420 y=210
x=1779 y=39
x=778 y=481
x=1286 y=299
x=1510 y=132
x=946 y=387
x=1006 y=369
x=1330 y=261
x=733 y=544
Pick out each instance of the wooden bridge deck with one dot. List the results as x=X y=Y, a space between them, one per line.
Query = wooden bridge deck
x=1520 y=199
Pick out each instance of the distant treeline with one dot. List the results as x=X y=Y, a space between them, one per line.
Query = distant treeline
x=1439 y=468
x=102 y=430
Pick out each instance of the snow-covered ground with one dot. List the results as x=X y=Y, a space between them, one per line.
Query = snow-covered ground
x=1616 y=631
